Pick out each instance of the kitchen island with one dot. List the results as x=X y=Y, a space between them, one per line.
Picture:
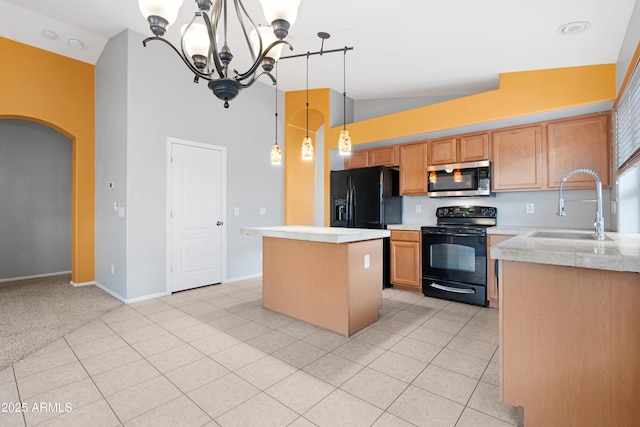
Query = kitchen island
x=327 y=276
x=570 y=328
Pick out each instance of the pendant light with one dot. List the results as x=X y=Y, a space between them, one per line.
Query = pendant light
x=276 y=153
x=344 y=142
x=307 y=144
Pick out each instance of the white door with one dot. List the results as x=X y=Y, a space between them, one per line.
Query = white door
x=197 y=174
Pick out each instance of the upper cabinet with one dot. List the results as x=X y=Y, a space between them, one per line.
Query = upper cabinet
x=357 y=159
x=536 y=157
x=459 y=149
x=413 y=168
x=579 y=143
x=383 y=156
x=516 y=155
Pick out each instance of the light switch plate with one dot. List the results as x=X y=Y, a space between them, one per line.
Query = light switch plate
x=367 y=261
x=263 y=211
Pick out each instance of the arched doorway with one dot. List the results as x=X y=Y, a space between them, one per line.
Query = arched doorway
x=35 y=200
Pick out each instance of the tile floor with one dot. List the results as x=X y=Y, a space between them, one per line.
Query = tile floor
x=213 y=356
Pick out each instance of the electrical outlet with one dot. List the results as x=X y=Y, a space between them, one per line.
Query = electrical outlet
x=366 y=261
x=263 y=211
x=113 y=269
x=418 y=208
x=614 y=207
x=236 y=211
x=530 y=208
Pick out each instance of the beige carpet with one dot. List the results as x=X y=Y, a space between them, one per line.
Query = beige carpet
x=36 y=312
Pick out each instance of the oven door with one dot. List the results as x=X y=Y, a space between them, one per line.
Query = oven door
x=454 y=256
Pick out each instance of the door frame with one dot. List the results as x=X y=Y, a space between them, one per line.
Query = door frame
x=169 y=183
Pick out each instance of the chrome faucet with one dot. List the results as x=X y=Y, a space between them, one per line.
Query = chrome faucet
x=599 y=222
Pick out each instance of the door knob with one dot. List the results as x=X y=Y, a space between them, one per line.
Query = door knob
x=219 y=223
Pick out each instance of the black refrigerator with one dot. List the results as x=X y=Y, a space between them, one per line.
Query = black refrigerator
x=367 y=198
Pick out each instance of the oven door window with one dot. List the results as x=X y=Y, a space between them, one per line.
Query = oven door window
x=453 y=257
x=456 y=258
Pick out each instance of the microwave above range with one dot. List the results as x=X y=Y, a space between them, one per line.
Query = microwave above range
x=459 y=179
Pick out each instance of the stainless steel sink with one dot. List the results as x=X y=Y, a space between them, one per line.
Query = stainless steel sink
x=570 y=235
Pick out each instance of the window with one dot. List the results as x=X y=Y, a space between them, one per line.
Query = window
x=627 y=116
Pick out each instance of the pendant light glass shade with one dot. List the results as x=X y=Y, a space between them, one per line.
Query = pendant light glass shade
x=344 y=142
x=276 y=155
x=307 y=149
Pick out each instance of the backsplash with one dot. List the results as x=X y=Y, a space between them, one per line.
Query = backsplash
x=512 y=208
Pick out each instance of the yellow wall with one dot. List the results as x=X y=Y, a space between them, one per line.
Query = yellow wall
x=299 y=176
x=519 y=94
x=58 y=92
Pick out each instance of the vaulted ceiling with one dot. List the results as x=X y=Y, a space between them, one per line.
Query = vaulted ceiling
x=409 y=48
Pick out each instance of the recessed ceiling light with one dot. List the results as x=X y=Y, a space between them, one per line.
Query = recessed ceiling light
x=49 y=34
x=76 y=44
x=574 y=27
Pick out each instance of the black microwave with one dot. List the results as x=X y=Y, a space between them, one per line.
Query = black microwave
x=459 y=179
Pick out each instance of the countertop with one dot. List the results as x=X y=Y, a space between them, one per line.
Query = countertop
x=621 y=253
x=317 y=234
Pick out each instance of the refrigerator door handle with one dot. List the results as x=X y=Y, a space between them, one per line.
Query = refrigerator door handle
x=352 y=216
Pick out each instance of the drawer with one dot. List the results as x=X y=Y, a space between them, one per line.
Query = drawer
x=406 y=235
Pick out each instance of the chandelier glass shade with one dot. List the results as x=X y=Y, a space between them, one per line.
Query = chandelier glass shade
x=204 y=47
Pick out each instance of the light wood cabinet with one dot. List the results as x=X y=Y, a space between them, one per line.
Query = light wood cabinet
x=413 y=168
x=516 y=155
x=406 y=259
x=492 y=279
x=357 y=159
x=473 y=148
x=579 y=143
x=384 y=156
x=459 y=149
x=443 y=151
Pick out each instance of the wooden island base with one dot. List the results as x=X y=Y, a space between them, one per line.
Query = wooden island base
x=325 y=284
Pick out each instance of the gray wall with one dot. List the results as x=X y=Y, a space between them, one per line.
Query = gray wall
x=111 y=165
x=162 y=101
x=35 y=200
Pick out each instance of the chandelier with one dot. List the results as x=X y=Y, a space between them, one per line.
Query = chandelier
x=200 y=47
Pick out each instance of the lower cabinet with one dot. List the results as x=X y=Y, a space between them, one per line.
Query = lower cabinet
x=406 y=258
x=492 y=278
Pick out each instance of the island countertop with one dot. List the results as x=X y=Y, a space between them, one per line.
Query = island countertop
x=621 y=253
x=317 y=234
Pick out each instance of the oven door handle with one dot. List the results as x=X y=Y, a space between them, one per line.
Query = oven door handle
x=441 y=233
x=450 y=289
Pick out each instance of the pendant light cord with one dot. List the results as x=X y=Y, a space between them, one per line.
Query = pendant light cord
x=276 y=103
x=307 y=94
x=344 y=89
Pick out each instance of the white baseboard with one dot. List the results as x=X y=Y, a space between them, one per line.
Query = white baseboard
x=81 y=284
x=238 y=279
x=36 y=276
x=146 y=297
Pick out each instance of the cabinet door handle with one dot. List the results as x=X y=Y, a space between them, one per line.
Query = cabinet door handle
x=219 y=223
